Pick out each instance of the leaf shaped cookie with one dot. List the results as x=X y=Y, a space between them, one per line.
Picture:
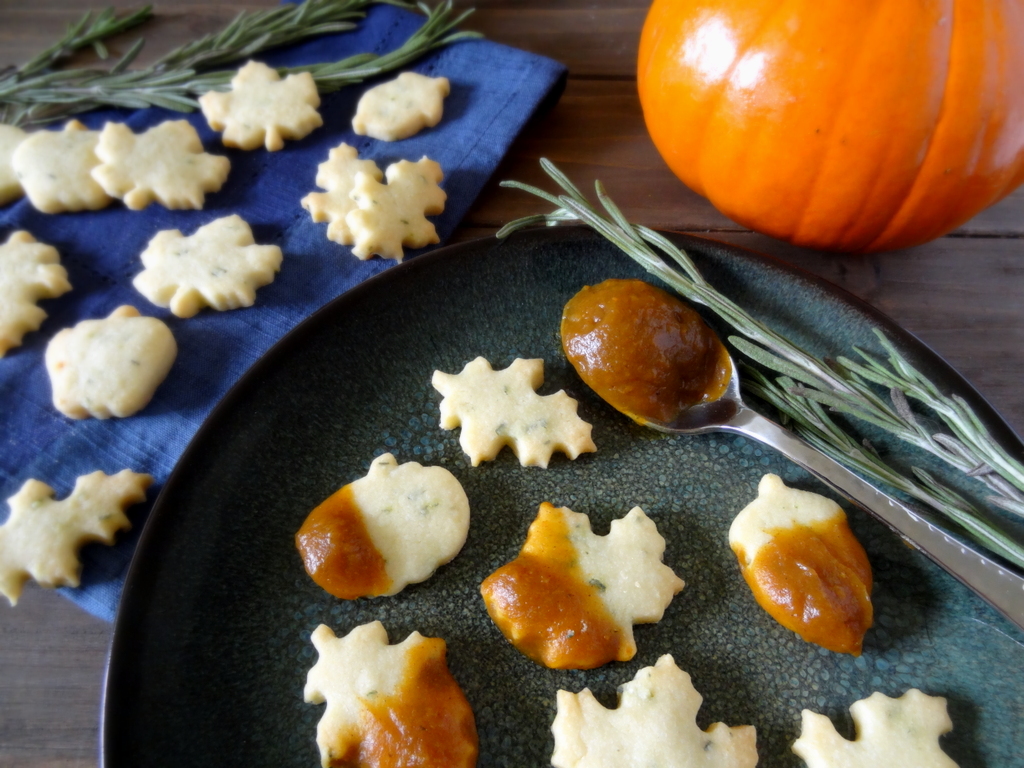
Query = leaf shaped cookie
x=337 y=175
x=55 y=169
x=166 y=164
x=388 y=704
x=499 y=408
x=29 y=271
x=220 y=266
x=903 y=732
x=655 y=725
x=390 y=216
x=261 y=108
x=402 y=107
x=571 y=597
x=42 y=536
x=10 y=187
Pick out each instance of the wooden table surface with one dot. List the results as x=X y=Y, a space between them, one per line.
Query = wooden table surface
x=962 y=294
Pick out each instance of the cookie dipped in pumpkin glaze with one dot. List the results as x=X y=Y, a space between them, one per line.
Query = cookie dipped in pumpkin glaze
x=570 y=599
x=646 y=353
x=388 y=706
x=387 y=530
x=804 y=565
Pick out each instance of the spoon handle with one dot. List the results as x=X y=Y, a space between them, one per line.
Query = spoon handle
x=998 y=586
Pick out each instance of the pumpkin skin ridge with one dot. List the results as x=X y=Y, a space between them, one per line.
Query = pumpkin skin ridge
x=830 y=147
x=938 y=137
x=871 y=246
x=982 y=150
x=722 y=89
x=884 y=236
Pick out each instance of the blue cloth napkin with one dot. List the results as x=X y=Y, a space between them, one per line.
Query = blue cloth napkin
x=495 y=90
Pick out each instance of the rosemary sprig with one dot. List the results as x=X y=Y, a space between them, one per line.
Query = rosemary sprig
x=40 y=94
x=809 y=388
x=88 y=31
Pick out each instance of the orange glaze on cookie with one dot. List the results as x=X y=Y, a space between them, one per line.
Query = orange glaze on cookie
x=816 y=581
x=338 y=552
x=426 y=723
x=543 y=604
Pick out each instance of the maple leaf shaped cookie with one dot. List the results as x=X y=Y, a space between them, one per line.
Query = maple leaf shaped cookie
x=499 y=408
x=29 y=271
x=166 y=164
x=401 y=107
x=397 y=701
x=10 y=187
x=571 y=597
x=337 y=175
x=388 y=217
x=654 y=725
x=41 y=538
x=261 y=108
x=909 y=727
x=220 y=266
x=55 y=169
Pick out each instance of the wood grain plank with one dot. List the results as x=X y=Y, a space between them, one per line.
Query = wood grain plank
x=590 y=43
x=52 y=656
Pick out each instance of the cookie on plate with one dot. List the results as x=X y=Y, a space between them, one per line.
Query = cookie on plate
x=219 y=266
x=903 y=732
x=55 y=169
x=382 y=532
x=499 y=408
x=263 y=109
x=110 y=367
x=29 y=271
x=804 y=565
x=655 y=724
x=388 y=704
x=571 y=597
x=41 y=538
x=165 y=164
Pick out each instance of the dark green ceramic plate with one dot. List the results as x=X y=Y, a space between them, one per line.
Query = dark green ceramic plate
x=211 y=645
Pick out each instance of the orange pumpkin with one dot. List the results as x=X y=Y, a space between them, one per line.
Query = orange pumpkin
x=851 y=126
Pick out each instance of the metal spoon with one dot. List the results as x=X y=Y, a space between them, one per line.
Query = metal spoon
x=999 y=587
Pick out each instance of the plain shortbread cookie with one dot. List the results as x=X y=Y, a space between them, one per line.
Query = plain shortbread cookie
x=655 y=724
x=165 y=164
x=55 y=169
x=263 y=109
x=337 y=175
x=29 y=271
x=903 y=732
x=400 y=108
x=499 y=408
x=42 y=536
x=109 y=367
x=219 y=266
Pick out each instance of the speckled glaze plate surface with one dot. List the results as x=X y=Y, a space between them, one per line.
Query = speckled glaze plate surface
x=211 y=646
